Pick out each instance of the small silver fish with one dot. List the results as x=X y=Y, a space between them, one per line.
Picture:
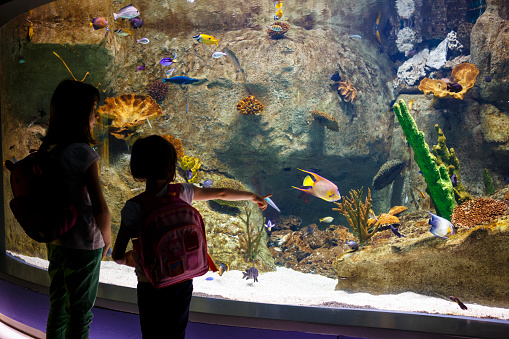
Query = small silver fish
x=271 y=203
x=355 y=36
x=127 y=12
x=328 y=220
x=143 y=41
x=170 y=72
x=218 y=54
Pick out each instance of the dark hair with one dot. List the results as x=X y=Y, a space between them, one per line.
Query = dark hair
x=70 y=108
x=154 y=158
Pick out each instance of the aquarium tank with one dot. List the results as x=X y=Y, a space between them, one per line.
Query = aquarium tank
x=380 y=127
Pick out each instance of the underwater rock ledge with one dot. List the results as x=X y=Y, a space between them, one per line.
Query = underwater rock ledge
x=471 y=265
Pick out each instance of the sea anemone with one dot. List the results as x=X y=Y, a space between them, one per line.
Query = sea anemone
x=158 y=90
x=477 y=211
x=250 y=106
x=274 y=34
x=326 y=120
x=387 y=174
x=347 y=90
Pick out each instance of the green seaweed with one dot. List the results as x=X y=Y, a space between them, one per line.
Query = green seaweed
x=447 y=157
x=251 y=238
x=488 y=182
x=437 y=177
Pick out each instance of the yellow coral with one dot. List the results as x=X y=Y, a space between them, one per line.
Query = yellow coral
x=464 y=74
x=129 y=111
x=177 y=144
x=250 y=106
x=193 y=164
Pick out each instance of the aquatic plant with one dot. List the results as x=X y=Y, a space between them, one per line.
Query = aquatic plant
x=357 y=214
x=447 y=157
x=274 y=34
x=437 y=177
x=464 y=74
x=192 y=164
x=128 y=111
x=326 y=120
x=177 y=144
x=477 y=211
x=250 y=239
x=387 y=174
x=250 y=106
x=158 y=90
x=488 y=182
x=347 y=90
x=233 y=184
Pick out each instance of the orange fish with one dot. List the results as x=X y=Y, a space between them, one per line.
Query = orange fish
x=319 y=187
x=422 y=193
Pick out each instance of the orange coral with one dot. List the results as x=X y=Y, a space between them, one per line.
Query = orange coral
x=464 y=74
x=347 y=90
x=177 y=144
x=278 y=34
x=387 y=219
x=250 y=106
x=477 y=211
x=129 y=111
x=395 y=210
x=326 y=120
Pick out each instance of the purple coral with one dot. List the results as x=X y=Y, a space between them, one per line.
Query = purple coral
x=158 y=90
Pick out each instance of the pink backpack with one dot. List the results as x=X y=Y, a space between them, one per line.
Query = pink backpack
x=172 y=241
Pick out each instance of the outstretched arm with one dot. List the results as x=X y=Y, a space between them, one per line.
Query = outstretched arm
x=229 y=194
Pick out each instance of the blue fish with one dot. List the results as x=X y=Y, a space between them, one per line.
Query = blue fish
x=180 y=80
x=189 y=174
x=440 y=227
x=271 y=203
x=353 y=245
x=167 y=61
x=454 y=180
x=310 y=230
x=207 y=183
x=396 y=232
x=209 y=278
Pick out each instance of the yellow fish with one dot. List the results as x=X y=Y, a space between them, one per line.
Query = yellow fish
x=377 y=32
x=223 y=268
x=30 y=31
x=410 y=104
x=278 y=4
x=319 y=187
x=206 y=39
x=278 y=15
x=328 y=220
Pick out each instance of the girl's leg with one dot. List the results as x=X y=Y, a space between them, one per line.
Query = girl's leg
x=55 y=327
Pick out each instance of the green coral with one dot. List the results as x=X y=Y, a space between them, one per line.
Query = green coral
x=488 y=182
x=233 y=184
x=436 y=175
x=448 y=158
x=250 y=240
x=357 y=215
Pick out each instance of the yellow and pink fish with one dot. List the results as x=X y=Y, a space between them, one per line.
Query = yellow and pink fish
x=319 y=187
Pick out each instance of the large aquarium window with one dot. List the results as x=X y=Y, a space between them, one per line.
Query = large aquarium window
x=380 y=127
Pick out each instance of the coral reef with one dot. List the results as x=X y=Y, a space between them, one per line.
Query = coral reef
x=436 y=176
x=406 y=40
x=230 y=183
x=389 y=218
x=347 y=90
x=192 y=164
x=450 y=161
x=177 y=144
x=275 y=34
x=128 y=111
x=249 y=241
x=326 y=120
x=387 y=174
x=438 y=57
x=488 y=182
x=250 y=106
x=158 y=90
x=357 y=214
x=464 y=74
x=477 y=211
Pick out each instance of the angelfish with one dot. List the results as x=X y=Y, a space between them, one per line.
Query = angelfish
x=440 y=227
x=319 y=187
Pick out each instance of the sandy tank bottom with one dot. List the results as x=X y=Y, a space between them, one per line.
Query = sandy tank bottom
x=288 y=287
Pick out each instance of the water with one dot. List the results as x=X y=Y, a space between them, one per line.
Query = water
x=382 y=51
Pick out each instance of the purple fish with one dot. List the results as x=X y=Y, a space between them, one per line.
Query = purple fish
x=189 y=174
x=207 y=183
x=251 y=273
x=141 y=68
x=454 y=180
x=353 y=245
x=168 y=61
x=396 y=232
x=454 y=87
x=136 y=22
x=488 y=78
x=269 y=225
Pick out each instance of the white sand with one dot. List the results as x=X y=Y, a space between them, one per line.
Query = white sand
x=289 y=287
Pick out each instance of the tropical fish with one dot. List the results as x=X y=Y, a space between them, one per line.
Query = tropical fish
x=187 y=106
x=167 y=61
x=169 y=72
x=251 y=273
x=189 y=174
x=30 y=33
x=206 y=39
x=328 y=220
x=98 y=23
x=180 y=80
x=355 y=36
x=319 y=187
x=457 y=301
x=22 y=61
x=410 y=104
x=353 y=245
x=269 y=225
x=422 y=193
x=122 y=32
x=396 y=231
x=209 y=278
x=487 y=79
x=143 y=41
x=218 y=54
x=336 y=77
x=233 y=58
x=271 y=203
x=310 y=230
x=454 y=87
x=440 y=227
x=275 y=28
x=136 y=22
x=406 y=200
x=207 y=183
x=278 y=15
x=223 y=268
x=454 y=180
x=377 y=32
x=127 y=12
x=141 y=68
x=278 y=4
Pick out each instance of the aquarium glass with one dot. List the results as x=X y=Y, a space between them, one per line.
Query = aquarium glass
x=380 y=127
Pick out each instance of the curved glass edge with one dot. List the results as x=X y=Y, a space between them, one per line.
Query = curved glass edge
x=12 y=8
x=332 y=319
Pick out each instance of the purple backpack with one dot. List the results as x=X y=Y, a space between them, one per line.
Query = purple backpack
x=172 y=242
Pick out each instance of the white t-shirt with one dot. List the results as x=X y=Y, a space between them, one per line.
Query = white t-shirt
x=86 y=234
